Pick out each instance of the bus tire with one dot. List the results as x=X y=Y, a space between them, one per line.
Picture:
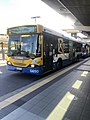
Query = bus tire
x=59 y=64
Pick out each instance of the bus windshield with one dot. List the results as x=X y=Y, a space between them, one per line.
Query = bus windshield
x=27 y=45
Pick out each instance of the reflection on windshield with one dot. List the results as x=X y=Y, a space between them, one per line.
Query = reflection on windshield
x=27 y=45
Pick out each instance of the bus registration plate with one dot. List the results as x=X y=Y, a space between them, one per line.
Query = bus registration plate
x=19 y=68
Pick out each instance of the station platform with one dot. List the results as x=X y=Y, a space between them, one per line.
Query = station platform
x=62 y=95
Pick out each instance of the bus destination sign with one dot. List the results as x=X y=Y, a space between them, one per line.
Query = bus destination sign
x=22 y=30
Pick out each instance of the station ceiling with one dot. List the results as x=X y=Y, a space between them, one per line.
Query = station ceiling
x=78 y=10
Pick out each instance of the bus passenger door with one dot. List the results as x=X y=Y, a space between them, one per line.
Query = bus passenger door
x=71 y=52
x=48 y=56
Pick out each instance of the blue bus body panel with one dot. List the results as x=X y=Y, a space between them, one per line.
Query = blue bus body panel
x=35 y=71
x=66 y=62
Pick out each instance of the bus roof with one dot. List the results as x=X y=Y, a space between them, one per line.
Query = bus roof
x=41 y=28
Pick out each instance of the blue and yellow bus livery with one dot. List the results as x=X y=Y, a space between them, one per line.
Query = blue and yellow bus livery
x=36 y=50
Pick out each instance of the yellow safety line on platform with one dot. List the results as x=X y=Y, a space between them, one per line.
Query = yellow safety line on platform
x=77 y=84
x=84 y=74
x=61 y=108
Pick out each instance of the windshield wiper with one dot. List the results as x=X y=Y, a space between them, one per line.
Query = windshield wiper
x=11 y=53
x=31 y=55
x=22 y=53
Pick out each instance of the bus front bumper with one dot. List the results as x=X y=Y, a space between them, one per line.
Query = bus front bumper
x=36 y=70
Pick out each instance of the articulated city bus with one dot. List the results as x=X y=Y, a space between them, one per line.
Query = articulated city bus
x=36 y=50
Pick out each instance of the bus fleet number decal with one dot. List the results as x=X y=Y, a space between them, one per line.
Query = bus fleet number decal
x=34 y=71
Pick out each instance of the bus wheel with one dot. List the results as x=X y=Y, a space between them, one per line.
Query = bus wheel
x=59 y=64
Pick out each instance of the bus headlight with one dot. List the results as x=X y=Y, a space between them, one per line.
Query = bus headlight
x=9 y=63
x=32 y=65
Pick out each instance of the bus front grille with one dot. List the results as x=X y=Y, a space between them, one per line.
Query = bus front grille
x=20 y=64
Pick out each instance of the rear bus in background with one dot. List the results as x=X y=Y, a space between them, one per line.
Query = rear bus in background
x=37 y=50
x=85 y=50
